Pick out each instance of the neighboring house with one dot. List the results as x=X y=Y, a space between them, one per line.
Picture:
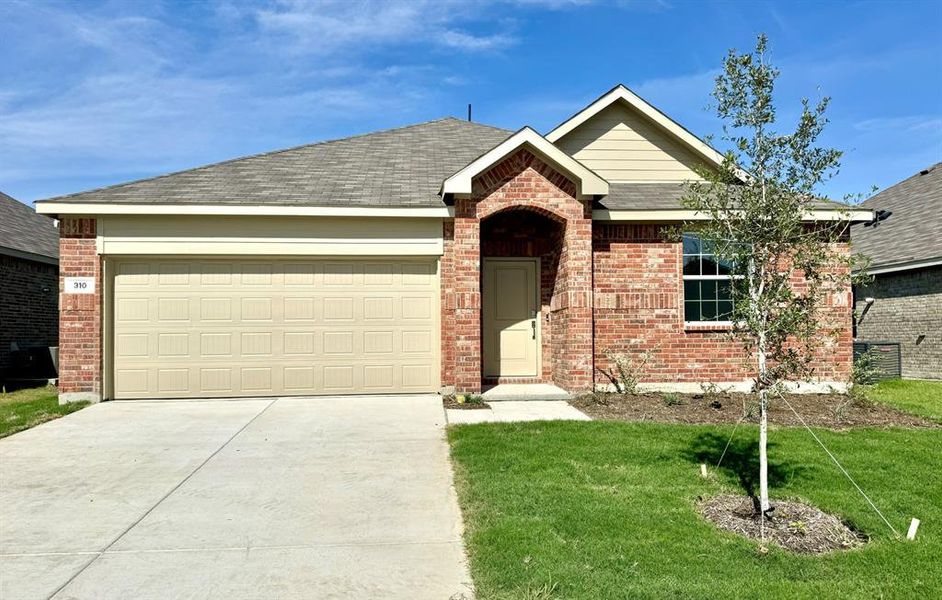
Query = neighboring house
x=903 y=303
x=444 y=255
x=29 y=280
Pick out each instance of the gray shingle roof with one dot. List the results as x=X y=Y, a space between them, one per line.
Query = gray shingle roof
x=23 y=230
x=401 y=167
x=663 y=196
x=914 y=231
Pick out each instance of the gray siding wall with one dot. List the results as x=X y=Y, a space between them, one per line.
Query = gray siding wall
x=29 y=305
x=907 y=309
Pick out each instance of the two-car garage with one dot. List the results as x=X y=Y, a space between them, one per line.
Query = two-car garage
x=229 y=327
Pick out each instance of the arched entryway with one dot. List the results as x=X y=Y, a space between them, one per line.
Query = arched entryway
x=520 y=252
x=527 y=214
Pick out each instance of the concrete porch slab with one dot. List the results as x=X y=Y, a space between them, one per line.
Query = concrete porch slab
x=511 y=411
x=525 y=391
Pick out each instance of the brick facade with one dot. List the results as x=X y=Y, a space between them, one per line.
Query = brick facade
x=639 y=307
x=521 y=182
x=604 y=287
x=28 y=305
x=907 y=308
x=80 y=348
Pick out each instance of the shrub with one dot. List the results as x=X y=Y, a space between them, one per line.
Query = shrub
x=627 y=370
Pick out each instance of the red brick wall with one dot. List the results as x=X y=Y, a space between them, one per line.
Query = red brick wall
x=79 y=314
x=29 y=312
x=639 y=306
x=520 y=182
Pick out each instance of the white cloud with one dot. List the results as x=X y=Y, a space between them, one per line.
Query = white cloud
x=465 y=41
x=915 y=123
x=324 y=26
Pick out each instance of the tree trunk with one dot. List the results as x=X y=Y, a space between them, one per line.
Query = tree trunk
x=763 y=426
x=763 y=451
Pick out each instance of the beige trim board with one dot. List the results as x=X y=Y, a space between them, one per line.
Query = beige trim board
x=588 y=182
x=650 y=216
x=284 y=236
x=85 y=208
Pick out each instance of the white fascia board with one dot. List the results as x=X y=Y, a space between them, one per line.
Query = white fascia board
x=907 y=266
x=623 y=94
x=852 y=216
x=590 y=184
x=236 y=210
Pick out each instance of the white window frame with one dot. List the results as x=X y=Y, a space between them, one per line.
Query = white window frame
x=684 y=277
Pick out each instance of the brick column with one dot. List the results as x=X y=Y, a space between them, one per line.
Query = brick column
x=578 y=354
x=79 y=314
x=467 y=297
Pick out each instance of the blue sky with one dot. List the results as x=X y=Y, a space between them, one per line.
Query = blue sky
x=95 y=93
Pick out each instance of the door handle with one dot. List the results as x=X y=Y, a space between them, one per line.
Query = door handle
x=533 y=327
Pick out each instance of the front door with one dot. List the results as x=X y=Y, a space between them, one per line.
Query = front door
x=511 y=327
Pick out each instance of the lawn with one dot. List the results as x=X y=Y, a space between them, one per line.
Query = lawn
x=923 y=398
x=606 y=510
x=23 y=409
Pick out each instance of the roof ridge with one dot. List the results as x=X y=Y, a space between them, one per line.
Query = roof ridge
x=266 y=153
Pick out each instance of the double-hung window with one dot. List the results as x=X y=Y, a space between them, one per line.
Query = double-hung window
x=707 y=283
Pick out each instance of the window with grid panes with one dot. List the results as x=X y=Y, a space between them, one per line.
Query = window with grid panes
x=707 y=283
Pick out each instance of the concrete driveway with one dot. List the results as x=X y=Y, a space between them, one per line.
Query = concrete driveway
x=286 y=498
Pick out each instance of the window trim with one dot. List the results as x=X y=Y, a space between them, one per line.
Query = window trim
x=701 y=325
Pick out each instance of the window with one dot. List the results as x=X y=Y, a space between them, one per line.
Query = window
x=707 y=283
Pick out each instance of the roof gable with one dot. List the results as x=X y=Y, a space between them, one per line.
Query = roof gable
x=620 y=132
x=587 y=182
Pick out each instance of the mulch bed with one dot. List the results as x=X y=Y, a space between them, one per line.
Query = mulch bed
x=450 y=402
x=834 y=411
x=792 y=525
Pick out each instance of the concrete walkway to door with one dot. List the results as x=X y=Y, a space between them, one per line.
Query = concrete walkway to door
x=286 y=498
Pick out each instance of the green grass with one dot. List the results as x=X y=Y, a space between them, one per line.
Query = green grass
x=606 y=510
x=23 y=409
x=923 y=398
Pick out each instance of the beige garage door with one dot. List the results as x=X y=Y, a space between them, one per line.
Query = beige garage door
x=205 y=328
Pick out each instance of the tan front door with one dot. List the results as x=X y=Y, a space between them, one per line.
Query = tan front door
x=276 y=327
x=511 y=326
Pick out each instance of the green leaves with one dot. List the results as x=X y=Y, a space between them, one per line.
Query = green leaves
x=784 y=266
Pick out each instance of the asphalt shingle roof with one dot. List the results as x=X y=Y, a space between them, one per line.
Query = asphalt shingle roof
x=21 y=228
x=401 y=167
x=914 y=231
x=664 y=196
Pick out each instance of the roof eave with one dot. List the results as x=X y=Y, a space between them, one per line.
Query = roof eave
x=50 y=207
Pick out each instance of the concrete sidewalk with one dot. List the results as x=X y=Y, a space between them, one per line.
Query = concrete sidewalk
x=287 y=498
x=509 y=411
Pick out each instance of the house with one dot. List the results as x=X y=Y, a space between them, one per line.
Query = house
x=447 y=255
x=29 y=274
x=903 y=302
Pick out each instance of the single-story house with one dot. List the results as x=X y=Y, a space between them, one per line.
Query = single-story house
x=903 y=302
x=29 y=281
x=447 y=255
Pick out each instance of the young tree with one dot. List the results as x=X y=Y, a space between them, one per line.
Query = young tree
x=782 y=264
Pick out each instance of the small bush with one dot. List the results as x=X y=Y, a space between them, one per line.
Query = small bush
x=672 y=399
x=627 y=370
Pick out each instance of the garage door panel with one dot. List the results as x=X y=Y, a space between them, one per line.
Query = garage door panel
x=253 y=328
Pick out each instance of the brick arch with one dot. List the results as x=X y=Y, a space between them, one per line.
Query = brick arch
x=524 y=180
x=524 y=206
